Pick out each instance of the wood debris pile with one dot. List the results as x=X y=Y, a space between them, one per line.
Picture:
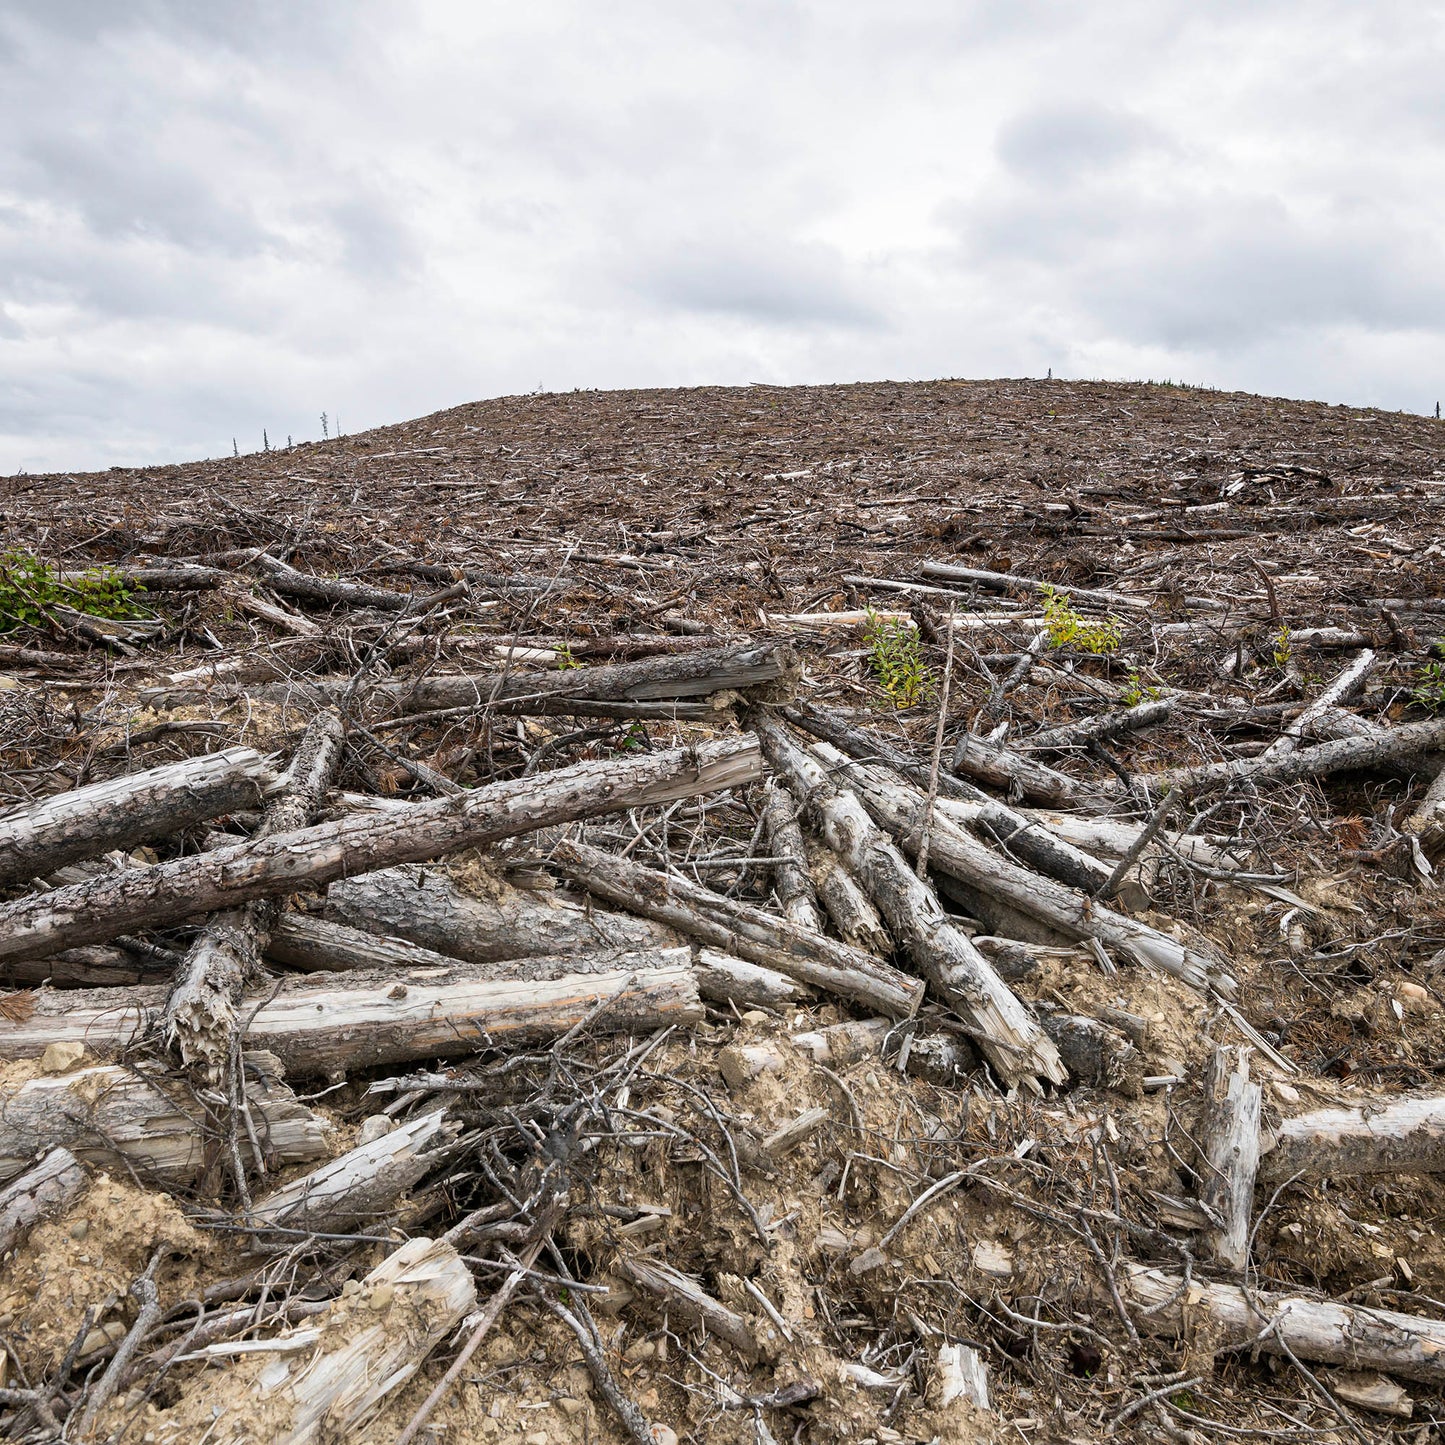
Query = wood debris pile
x=934 y=1000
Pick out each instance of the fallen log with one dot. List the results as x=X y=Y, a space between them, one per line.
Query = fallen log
x=319 y=945
x=1393 y=748
x=320 y=1024
x=137 y=1118
x=791 y=880
x=357 y=1354
x=1228 y=1140
x=98 y=965
x=1350 y=680
x=1002 y=1028
x=1222 y=1317
x=37 y=838
x=358 y=1189
x=850 y=908
x=739 y=928
x=1098 y=1056
x=200 y=1019
x=419 y=906
x=1014 y=774
x=1062 y=911
x=1103 y=725
x=1011 y=581
x=684 y=1298
x=332 y=590
x=1378 y=1137
x=48 y=1188
x=1427 y=822
x=98 y=909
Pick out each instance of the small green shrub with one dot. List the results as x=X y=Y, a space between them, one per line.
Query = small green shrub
x=895 y=658
x=1136 y=690
x=565 y=661
x=1282 y=650
x=1429 y=689
x=30 y=587
x=1068 y=627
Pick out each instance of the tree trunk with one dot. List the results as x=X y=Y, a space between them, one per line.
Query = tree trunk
x=200 y=1019
x=1006 y=1033
x=1380 y=1137
x=120 y=1117
x=37 y=838
x=1014 y=774
x=1229 y=1153
x=850 y=908
x=739 y=928
x=1070 y=736
x=1330 y=1334
x=320 y=1024
x=1350 y=680
x=791 y=880
x=101 y=908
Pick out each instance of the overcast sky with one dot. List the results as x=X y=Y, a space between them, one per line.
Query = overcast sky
x=223 y=215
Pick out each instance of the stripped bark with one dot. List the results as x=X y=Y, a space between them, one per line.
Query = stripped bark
x=319 y=1024
x=99 y=909
x=1005 y=1032
x=201 y=1020
x=136 y=1118
x=791 y=880
x=739 y=928
x=1228 y=1138
x=37 y=838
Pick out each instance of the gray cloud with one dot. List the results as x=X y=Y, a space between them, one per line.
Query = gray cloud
x=219 y=218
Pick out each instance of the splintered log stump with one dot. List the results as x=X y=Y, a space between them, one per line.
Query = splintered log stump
x=49 y=1188
x=1383 y=1136
x=1228 y=1137
x=956 y=852
x=200 y=1021
x=1330 y=1334
x=1003 y=1029
x=101 y=908
x=319 y=1024
x=506 y=923
x=738 y=928
x=684 y=1298
x=37 y=838
x=359 y=1188
x=138 y=1118
x=1097 y=1055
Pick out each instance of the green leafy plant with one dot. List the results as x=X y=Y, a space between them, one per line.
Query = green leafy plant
x=1136 y=690
x=1429 y=689
x=565 y=661
x=1068 y=627
x=30 y=587
x=895 y=658
x=1282 y=650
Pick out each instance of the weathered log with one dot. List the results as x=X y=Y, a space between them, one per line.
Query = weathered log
x=1102 y=725
x=1427 y=822
x=138 y=1118
x=423 y=908
x=1399 y=747
x=37 y=838
x=1228 y=1139
x=1379 y=1137
x=739 y=928
x=940 y=1058
x=356 y=1354
x=668 y=678
x=1028 y=839
x=101 y=908
x=1350 y=680
x=358 y=1188
x=46 y=1189
x=1331 y=1334
x=791 y=880
x=319 y=1024
x=333 y=590
x=1006 y=1033
x=850 y=908
x=685 y=1299
x=1016 y=775
x=98 y=965
x=318 y=945
x=1097 y=1055
x=1011 y=581
x=200 y=1019
x=1072 y=915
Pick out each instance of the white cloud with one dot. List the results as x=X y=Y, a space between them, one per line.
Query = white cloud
x=219 y=218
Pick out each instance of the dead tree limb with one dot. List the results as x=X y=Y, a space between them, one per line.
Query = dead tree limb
x=101 y=908
x=1103 y=725
x=791 y=879
x=1228 y=1138
x=1350 y=680
x=46 y=1189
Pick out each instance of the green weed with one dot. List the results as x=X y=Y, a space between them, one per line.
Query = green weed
x=565 y=661
x=30 y=587
x=895 y=658
x=1429 y=689
x=1068 y=627
x=1282 y=650
x=1136 y=690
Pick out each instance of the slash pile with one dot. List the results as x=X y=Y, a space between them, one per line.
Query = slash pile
x=859 y=992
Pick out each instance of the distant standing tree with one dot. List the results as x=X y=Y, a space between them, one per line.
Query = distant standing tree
x=235 y=450
x=324 y=432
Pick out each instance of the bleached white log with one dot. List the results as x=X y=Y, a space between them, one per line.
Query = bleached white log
x=1381 y=1136
x=1350 y=680
x=1228 y=1138
x=846 y=902
x=1224 y=1317
x=961 y=1374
